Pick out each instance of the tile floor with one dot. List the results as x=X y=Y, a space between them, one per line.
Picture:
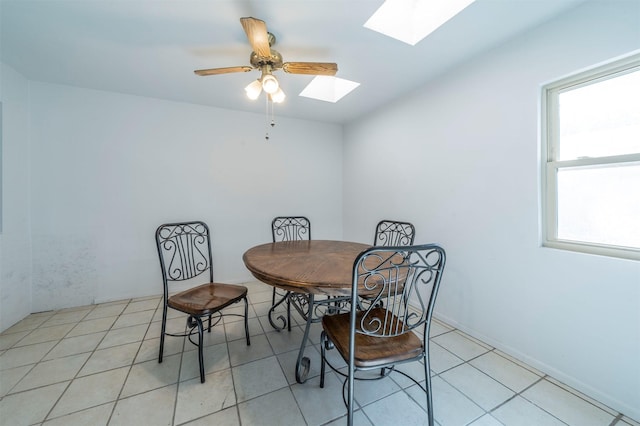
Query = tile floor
x=97 y=365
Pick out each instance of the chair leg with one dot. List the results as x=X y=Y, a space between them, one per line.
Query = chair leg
x=288 y=313
x=427 y=373
x=323 y=351
x=246 y=321
x=350 y=396
x=198 y=322
x=163 y=330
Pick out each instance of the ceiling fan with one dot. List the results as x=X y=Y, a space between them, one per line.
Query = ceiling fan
x=267 y=60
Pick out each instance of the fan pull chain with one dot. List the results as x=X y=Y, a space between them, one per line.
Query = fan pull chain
x=273 y=122
x=266 y=114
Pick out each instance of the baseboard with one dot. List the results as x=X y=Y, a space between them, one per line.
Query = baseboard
x=605 y=399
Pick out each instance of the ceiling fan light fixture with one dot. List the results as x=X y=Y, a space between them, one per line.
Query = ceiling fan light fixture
x=270 y=84
x=254 y=89
x=278 y=96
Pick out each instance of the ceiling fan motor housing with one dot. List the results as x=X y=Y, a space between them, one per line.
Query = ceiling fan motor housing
x=275 y=60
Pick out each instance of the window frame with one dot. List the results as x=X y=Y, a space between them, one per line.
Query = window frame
x=549 y=148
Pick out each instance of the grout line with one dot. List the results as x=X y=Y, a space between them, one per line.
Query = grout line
x=516 y=394
x=233 y=381
x=133 y=361
x=618 y=419
x=46 y=417
x=178 y=383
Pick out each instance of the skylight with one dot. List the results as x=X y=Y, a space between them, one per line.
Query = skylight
x=412 y=20
x=328 y=89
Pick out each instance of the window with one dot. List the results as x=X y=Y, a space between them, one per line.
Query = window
x=591 y=172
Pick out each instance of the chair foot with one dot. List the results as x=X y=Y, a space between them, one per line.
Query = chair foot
x=246 y=320
x=197 y=322
x=161 y=351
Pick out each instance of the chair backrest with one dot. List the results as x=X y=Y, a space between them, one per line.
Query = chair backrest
x=185 y=251
x=400 y=285
x=394 y=233
x=290 y=228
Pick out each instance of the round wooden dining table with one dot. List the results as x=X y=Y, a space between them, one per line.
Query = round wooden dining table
x=317 y=277
x=309 y=266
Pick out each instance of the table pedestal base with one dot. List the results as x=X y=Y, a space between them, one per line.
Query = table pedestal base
x=311 y=308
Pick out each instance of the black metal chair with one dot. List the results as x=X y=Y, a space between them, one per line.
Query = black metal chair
x=289 y=228
x=185 y=253
x=394 y=233
x=381 y=336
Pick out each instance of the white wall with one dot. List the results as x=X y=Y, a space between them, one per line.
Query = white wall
x=87 y=176
x=15 y=239
x=107 y=169
x=460 y=159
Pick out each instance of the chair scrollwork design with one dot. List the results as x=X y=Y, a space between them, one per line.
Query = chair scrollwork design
x=394 y=233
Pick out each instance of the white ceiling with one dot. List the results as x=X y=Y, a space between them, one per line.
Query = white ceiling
x=151 y=47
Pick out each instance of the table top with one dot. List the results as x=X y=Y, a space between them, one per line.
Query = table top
x=309 y=266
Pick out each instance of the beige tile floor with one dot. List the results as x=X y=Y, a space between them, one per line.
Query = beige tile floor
x=97 y=365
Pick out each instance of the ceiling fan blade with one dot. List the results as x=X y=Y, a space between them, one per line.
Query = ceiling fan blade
x=311 y=68
x=227 y=70
x=256 y=31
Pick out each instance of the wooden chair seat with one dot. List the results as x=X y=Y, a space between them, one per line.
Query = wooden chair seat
x=207 y=298
x=372 y=351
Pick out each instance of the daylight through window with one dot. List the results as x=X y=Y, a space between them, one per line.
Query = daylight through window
x=591 y=177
